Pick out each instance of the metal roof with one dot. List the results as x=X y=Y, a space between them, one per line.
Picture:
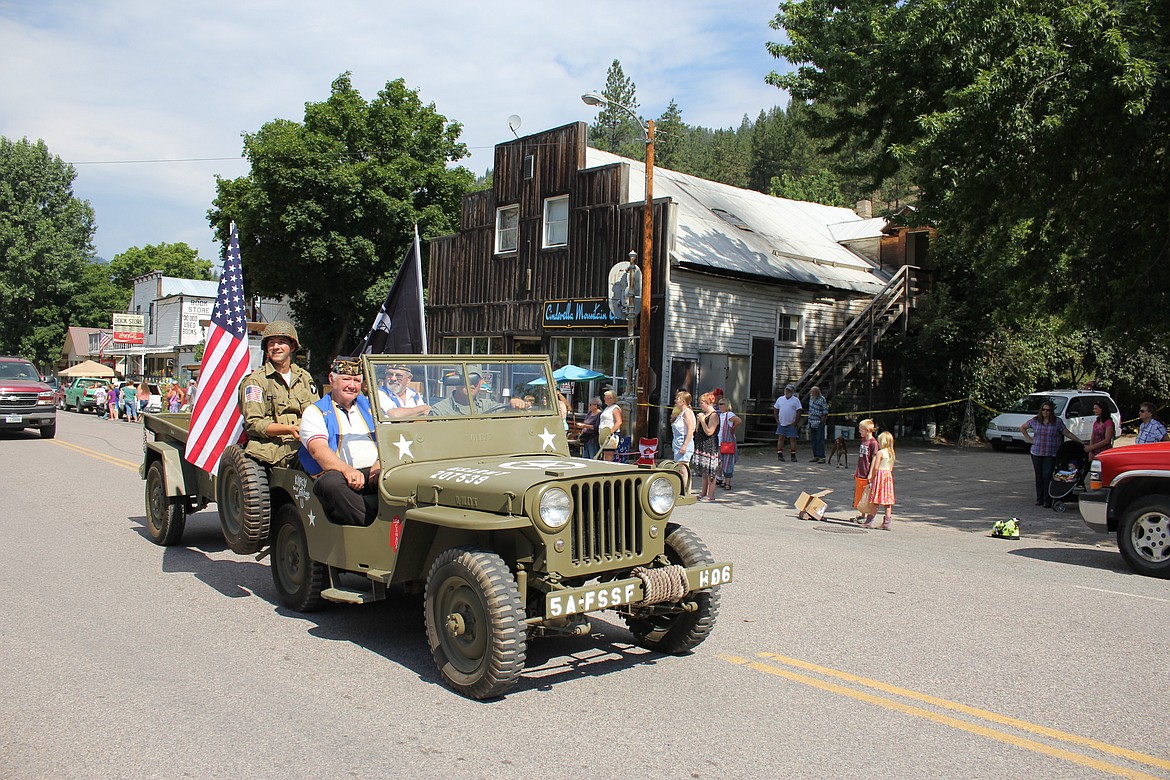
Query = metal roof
x=195 y=288
x=726 y=228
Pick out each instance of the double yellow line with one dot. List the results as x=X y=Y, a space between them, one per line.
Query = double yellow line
x=103 y=457
x=782 y=666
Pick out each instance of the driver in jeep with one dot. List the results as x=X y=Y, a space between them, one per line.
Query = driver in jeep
x=339 y=449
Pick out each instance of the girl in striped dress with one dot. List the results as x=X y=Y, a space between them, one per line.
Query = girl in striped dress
x=881 y=479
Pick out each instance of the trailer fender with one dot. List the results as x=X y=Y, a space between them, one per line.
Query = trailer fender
x=172 y=460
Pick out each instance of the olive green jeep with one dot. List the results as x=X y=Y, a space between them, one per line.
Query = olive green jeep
x=481 y=508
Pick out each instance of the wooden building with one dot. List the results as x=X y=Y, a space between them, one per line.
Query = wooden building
x=748 y=290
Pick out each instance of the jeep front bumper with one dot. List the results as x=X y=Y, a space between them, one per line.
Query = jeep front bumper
x=627 y=592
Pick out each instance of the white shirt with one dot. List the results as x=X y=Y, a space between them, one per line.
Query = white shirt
x=357 y=448
x=390 y=400
x=788 y=408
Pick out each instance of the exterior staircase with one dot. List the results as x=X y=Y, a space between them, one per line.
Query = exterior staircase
x=850 y=354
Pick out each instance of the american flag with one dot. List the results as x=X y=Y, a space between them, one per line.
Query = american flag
x=104 y=340
x=216 y=421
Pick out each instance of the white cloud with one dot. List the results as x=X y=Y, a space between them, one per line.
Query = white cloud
x=156 y=79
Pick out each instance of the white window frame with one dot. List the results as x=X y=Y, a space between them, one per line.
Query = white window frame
x=797 y=329
x=549 y=223
x=503 y=232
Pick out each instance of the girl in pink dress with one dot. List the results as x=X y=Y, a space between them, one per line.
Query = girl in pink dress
x=881 y=479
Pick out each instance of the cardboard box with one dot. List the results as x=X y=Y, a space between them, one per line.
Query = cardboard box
x=812 y=505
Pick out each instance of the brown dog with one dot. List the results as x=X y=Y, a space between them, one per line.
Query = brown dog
x=840 y=450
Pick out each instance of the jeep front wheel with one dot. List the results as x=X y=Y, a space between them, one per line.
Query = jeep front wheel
x=475 y=622
x=679 y=632
x=243 y=501
x=166 y=517
x=1143 y=536
x=299 y=579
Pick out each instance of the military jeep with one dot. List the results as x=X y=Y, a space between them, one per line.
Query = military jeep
x=481 y=508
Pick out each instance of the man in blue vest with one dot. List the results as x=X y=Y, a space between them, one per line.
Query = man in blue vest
x=338 y=447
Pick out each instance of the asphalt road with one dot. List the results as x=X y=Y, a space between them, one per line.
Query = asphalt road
x=929 y=651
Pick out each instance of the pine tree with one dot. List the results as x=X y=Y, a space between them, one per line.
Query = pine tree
x=615 y=130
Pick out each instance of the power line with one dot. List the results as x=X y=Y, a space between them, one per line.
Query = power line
x=172 y=160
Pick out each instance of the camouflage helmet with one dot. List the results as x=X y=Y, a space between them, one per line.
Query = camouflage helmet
x=279 y=328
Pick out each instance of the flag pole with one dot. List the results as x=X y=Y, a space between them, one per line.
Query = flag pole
x=422 y=309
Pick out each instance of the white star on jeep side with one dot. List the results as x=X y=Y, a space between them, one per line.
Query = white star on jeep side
x=403 y=447
x=547 y=438
x=312 y=518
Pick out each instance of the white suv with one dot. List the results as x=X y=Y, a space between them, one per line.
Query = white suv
x=1074 y=407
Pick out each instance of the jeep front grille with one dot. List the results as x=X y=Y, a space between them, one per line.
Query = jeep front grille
x=607 y=521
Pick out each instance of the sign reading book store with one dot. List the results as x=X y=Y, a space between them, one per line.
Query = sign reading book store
x=580 y=313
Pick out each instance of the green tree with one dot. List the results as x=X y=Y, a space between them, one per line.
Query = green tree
x=329 y=208
x=615 y=130
x=178 y=260
x=45 y=243
x=1039 y=130
x=670 y=138
x=97 y=298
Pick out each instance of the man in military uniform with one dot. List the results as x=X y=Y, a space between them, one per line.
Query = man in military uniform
x=273 y=397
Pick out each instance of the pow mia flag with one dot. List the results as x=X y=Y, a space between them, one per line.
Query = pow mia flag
x=400 y=326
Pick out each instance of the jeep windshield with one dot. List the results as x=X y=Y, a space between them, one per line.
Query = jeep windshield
x=1031 y=405
x=474 y=387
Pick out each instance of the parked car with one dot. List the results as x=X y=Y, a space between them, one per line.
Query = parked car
x=1129 y=494
x=79 y=395
x=1074 y=407
x=58 y=390
x=25 y=400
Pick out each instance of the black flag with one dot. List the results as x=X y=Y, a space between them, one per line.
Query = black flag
x=400 y=326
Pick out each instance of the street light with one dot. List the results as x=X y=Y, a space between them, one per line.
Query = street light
x=642 y=411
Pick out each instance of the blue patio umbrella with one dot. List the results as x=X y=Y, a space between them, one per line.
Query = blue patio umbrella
x=571 y=373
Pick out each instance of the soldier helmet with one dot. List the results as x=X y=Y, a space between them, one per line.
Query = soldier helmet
x=279 y=328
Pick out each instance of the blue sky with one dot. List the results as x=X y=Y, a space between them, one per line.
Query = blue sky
x=104 y=82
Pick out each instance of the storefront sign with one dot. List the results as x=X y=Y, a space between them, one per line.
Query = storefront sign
x=580 y=313
x=129 y=329
x=191 y=332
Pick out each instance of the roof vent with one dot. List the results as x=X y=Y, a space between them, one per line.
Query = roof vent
x=732 y=220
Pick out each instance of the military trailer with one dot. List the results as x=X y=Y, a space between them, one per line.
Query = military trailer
x=480 y=507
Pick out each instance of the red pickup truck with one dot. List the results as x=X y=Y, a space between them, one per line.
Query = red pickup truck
x=1129 y=493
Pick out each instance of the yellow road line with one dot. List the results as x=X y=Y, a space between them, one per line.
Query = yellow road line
x=1004 y=720
x=945 y=720
x=98 y=455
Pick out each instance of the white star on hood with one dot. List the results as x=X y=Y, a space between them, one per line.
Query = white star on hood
x=548 y=439
x=403 y=447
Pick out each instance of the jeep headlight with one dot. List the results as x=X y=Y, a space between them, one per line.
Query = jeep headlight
x=555 y=506
x=661 y=495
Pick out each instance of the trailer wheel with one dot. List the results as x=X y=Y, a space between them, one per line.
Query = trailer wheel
x=680 y=632
x=243 y=500
x=166 y=517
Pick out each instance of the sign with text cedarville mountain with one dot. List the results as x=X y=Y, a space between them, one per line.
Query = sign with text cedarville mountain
x=580 y=313
x=129 y=329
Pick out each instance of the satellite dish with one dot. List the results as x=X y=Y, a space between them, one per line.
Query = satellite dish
x=514 y=124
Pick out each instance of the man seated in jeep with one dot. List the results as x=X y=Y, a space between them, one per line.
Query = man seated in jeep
x=338 y=447
x=395 y=395
x=463 y=396
x=273 y=397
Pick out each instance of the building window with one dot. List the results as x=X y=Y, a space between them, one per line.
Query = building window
x=507 y=228
x=469 y=345
x=789 y=329
x=606 y=355
x=556 y=221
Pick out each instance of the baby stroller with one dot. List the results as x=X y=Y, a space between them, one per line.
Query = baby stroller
x=1068 y=478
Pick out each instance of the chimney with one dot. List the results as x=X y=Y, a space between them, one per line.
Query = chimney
x=864 y=209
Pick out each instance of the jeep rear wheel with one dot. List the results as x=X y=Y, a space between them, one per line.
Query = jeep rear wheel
x=1143 y=536
x=166 y=517
x=243 y=501
x=299 y=579
x=475 y=622
x=679 y=632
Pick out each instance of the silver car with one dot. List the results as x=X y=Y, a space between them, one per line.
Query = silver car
x=1073 y=407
